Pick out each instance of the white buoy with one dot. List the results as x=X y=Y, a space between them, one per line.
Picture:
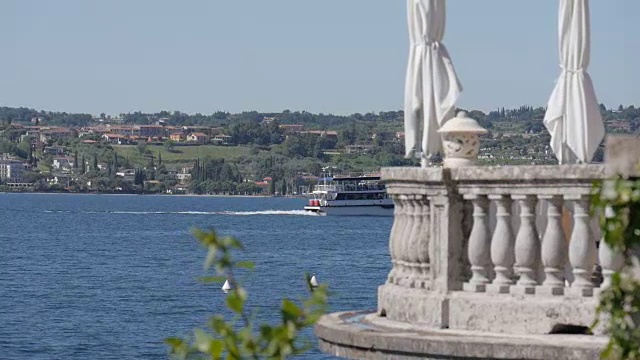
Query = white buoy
x=313 y=281
x=226 y=287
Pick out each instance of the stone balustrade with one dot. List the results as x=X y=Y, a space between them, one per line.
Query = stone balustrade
x=494 y=248
x=530 y=258
x=489 y=263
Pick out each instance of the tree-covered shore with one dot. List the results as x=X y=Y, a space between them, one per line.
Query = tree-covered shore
x=266 y=153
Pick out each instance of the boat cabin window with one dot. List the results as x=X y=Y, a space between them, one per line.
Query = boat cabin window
x=357 y=196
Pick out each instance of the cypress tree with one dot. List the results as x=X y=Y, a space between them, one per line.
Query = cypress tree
x=159 y=158
x=194 y=171
x=143 y=177
x=95 y=162
x=272 y=187
x=139 y=177
x=84 y=165
x=75 y=159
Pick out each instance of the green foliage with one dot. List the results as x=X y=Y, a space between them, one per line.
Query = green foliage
x=247 y=188
x=619 y=204
x=142 y=147
x=24 y=148
x=267 y=150
x=307 y=145
x=253 y=132
x=25 y=115
x=139 y=177
x=32 y=177
x=215 y=176
x=621 y=220
x=179 y=155
x=9 y=147
x=240 y=338
x=169 y=145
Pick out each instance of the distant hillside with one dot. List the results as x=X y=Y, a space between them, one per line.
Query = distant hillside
x=524 y=119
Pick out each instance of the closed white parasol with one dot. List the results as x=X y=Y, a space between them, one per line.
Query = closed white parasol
x=573 y=115
x=432 y=86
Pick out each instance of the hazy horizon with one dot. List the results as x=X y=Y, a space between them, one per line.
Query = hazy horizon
x=300 y=110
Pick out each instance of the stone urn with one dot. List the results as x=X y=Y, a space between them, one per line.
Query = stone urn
x=461 y=141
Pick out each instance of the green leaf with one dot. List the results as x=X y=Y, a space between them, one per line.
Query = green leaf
x=174 y=342
x=218 y=324
x=203 y=341
x=228 y=339
x=235 y=302
x=179 y=348
x=245 y=265
x=242 y=293
x=233 y=243
x=246 y=335
x=212 y=279
x=206 y=238
x=211 y=257
x=290 y=311
x=216 y=347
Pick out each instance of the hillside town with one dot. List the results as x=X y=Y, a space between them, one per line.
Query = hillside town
x=57 y=146
x=261 y=154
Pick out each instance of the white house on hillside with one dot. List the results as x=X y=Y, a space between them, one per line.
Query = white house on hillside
x=63 y=163
x=198 y=137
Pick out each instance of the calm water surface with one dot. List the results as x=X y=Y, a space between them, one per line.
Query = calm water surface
x=109 y=277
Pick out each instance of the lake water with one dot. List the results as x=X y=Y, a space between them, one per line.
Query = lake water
x=110 y=277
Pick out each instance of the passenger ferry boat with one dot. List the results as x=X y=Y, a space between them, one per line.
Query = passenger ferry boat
x=354 y=195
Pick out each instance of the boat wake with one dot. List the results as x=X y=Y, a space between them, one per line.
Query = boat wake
x=270 y=212
x=227 y=213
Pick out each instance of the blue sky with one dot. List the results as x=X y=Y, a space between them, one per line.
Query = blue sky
x=330 y=56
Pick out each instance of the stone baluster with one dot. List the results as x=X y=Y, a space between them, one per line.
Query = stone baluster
x=423 y=274
x=527 y=247
x=582 y=248
x=502 y=246
x=479 y=245
x=412 y=239
x=406 y=226
x=611 y=261
x=554 y=248
x=395 y=239
x=399 y=235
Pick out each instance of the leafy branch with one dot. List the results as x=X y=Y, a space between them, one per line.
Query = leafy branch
x=618 y=202
x=240 y=338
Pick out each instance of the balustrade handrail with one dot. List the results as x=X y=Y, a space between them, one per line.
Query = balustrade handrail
x=497 y=255
x=499 y=248
x=523 y=180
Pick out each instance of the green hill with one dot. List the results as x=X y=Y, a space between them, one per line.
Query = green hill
x=180 y=155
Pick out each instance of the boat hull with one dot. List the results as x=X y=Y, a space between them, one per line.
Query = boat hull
x=364 y=210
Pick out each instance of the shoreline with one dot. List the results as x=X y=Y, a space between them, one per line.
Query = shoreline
x=164 y=195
